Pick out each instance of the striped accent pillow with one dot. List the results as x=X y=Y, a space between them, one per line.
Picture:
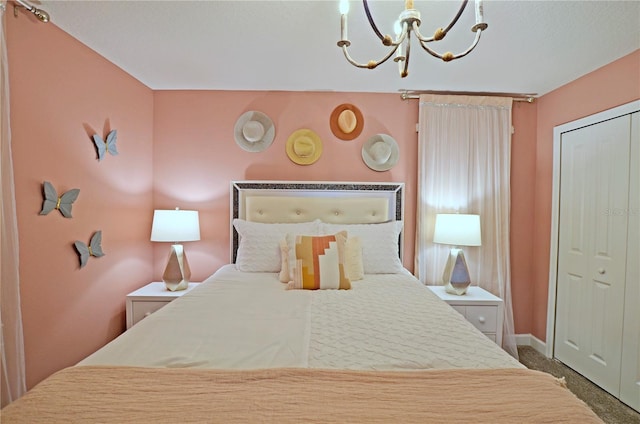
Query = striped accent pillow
x=317 y=262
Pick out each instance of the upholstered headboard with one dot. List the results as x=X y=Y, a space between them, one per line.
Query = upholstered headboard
x=333 y=202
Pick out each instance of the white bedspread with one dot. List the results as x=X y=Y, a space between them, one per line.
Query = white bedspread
x=237 y=320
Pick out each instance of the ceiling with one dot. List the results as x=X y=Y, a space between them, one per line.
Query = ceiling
x=530 y=46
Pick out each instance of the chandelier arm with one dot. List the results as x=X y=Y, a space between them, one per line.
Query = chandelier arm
x=444 y=32
x=473 y=46
x=447 y=57
x=404 y=34
x=405 y=71
x=370 y=19
x=371 y=64
x=419 y=36
x=430 y=51
x=455 y=19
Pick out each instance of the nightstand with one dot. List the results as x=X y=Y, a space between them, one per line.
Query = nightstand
x=479 y=307
x=148 y=299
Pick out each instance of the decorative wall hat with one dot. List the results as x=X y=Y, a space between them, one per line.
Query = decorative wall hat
x=346 y=122
x=380 y=152
x=304 y=147
x=254 y=131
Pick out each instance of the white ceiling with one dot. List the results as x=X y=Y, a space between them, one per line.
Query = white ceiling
x=529 y=47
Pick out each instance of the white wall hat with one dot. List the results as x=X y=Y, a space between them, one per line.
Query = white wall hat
x=254 y=131
x=380 y=152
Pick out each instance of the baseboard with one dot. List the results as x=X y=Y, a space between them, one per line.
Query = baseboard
x=533 y=341
x=538 y=345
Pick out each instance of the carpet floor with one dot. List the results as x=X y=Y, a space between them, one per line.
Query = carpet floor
x=606 y=406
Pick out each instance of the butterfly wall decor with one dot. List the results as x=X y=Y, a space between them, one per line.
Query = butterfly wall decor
x=62 y=203
x=106 y=146
x=93 y=249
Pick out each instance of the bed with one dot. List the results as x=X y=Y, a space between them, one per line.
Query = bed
x=253 y=344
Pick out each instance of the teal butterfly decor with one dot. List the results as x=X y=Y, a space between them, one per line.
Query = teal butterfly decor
x=93 y=249
x=106 y=146
x=62 y=203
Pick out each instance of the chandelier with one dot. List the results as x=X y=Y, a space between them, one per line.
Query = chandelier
x=408 y=22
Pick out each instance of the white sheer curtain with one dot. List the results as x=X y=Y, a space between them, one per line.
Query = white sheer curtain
x=11 y=342
x=464 y=161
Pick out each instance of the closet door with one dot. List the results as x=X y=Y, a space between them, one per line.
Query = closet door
x=592 y=244
x=630 y=380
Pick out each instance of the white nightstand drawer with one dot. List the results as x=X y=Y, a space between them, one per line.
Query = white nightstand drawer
x=148 y=299
x=142 y=309
x=479 y=307
x=484 y=318
x=491 y=336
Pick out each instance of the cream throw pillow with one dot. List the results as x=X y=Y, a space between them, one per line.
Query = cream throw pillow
x=284 y=256
x=353 y=259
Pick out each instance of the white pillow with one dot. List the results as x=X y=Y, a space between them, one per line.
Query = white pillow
x=379 y=244
x=259 y=247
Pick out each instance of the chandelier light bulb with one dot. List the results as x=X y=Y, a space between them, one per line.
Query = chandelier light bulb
x=397 y=28
x=344 y=7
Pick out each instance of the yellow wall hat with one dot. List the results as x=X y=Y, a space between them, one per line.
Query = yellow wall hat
x=304 y=147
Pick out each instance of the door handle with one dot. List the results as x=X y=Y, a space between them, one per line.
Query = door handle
x=601 y=271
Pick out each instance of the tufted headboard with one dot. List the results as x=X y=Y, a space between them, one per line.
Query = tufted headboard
x=333 y=202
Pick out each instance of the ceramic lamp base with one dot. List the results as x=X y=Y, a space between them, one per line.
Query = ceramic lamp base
x=456 y=277
x=177 y=273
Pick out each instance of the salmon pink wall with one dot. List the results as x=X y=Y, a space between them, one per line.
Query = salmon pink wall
x=61 y=93
x=612 y=85
x=195 y=156
x=523 y=163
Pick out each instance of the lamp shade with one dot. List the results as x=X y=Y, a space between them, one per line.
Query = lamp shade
x=457 y=230
x=175 y=225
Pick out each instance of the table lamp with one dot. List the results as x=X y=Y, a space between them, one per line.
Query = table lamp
x=457 y=230
x=176 y=226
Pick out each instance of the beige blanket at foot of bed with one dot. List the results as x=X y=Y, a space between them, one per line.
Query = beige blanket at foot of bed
x=101 y=394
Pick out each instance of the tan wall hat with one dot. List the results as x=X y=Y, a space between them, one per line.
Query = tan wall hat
x=304 y=147
x=346 y=122
x=254 y=131
x=380 y=152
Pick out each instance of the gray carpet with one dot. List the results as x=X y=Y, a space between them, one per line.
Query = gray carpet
x=608 y=408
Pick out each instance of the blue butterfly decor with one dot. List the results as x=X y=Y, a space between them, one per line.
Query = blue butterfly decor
x=62 y=203
x=106 y=146
x=93 y=249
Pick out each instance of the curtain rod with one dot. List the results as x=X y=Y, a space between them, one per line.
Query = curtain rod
x=517 y=97
x=42 y=15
